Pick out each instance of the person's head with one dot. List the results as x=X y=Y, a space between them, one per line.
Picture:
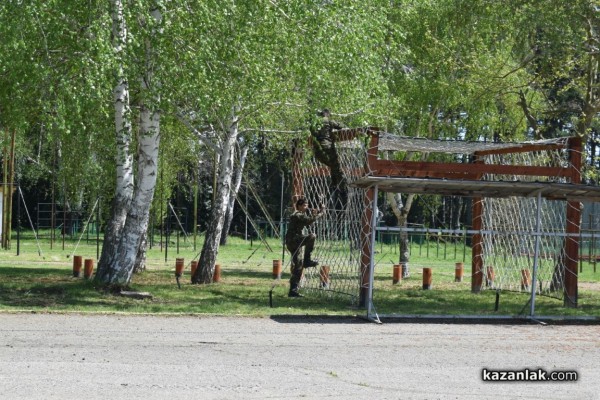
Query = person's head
x=325 y=113
x=301 y=204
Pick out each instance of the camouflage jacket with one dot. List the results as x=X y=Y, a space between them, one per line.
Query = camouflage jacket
x=299 y=221
x=324 y=133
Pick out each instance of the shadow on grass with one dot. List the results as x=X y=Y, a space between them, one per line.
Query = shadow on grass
x=246 y=292
x=24 y=288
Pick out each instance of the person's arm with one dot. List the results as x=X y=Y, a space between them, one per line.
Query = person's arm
x=308 y=219
x=336 y=125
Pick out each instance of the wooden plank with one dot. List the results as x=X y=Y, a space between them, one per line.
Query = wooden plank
x=523 y=149
x=393 y=172
x=451 y=169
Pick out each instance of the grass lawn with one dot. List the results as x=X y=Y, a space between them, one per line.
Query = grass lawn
x=44 y=283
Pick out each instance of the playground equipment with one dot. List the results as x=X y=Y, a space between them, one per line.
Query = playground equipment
x=526 y=212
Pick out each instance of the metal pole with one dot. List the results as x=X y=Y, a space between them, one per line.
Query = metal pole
x=536 y=251
x=52 y=216
x=167 y=232
x=18 y=223
x=195 y=188
x=64 y=224
x=162 y=200
x=372 y=255
x=281 y=219
x=98 y=230
x=31 y=222
x=246 y=229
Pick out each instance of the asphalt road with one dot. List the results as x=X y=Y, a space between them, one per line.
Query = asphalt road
x=53 y=356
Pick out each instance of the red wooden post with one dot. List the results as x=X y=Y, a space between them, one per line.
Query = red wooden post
x=365 y=235
x=77 y=263
x=324 y=276
x=525 y=280
x=489 y=276
x=458 y=271
x=88 y=268
x=365 y=238
x=427 y=278
x=477 y=246
x=397 y=274
x=477 y=240
x=573 y=227
x=179 y=265
x=276 y=269
x=217 y=274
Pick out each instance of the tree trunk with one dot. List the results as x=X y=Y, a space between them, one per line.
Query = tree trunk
x=139 y=212
x=124 y=159
x=208 y=255
x=125 y=247
x=401 y=212
x=239 y=173
x=140 y=259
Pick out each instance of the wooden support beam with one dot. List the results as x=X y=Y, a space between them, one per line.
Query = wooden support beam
x=477 y=246
x=365 y=239
x=451 y=170
x=573 y=227
x=477 y=239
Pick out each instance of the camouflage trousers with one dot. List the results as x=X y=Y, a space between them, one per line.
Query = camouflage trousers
x=294 y=245
x=339 y=185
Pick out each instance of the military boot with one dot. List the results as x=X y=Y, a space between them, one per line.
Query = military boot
x=294 y=291
x=309 y=263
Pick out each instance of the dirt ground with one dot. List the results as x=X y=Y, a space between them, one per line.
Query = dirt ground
x=57 y=356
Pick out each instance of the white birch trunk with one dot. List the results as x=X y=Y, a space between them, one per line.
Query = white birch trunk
x=138 y=215
x=123 y=261
x=210 y=249
x=239 y=173
x=124 y=158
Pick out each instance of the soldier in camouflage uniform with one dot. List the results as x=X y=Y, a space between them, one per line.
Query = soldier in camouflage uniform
x=324 y=139
x=295 y=238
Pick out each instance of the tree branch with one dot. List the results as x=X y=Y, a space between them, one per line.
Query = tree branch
x=201 y=135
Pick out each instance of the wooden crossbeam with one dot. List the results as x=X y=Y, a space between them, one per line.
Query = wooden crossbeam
x=452 y=170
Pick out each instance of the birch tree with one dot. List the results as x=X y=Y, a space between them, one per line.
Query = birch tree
x=131 y=207
x=124 y=183
x=238 y=175
x=236 y=57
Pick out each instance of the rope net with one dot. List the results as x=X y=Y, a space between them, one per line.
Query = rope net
x=343 y=231
x=509 y=227
x=508 y=233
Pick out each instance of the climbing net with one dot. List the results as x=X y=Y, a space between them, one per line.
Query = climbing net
x=343 y=231
x=509 y=236
x=509 y=227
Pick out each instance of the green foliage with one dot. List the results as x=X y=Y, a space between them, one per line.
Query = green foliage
x=439 y=68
